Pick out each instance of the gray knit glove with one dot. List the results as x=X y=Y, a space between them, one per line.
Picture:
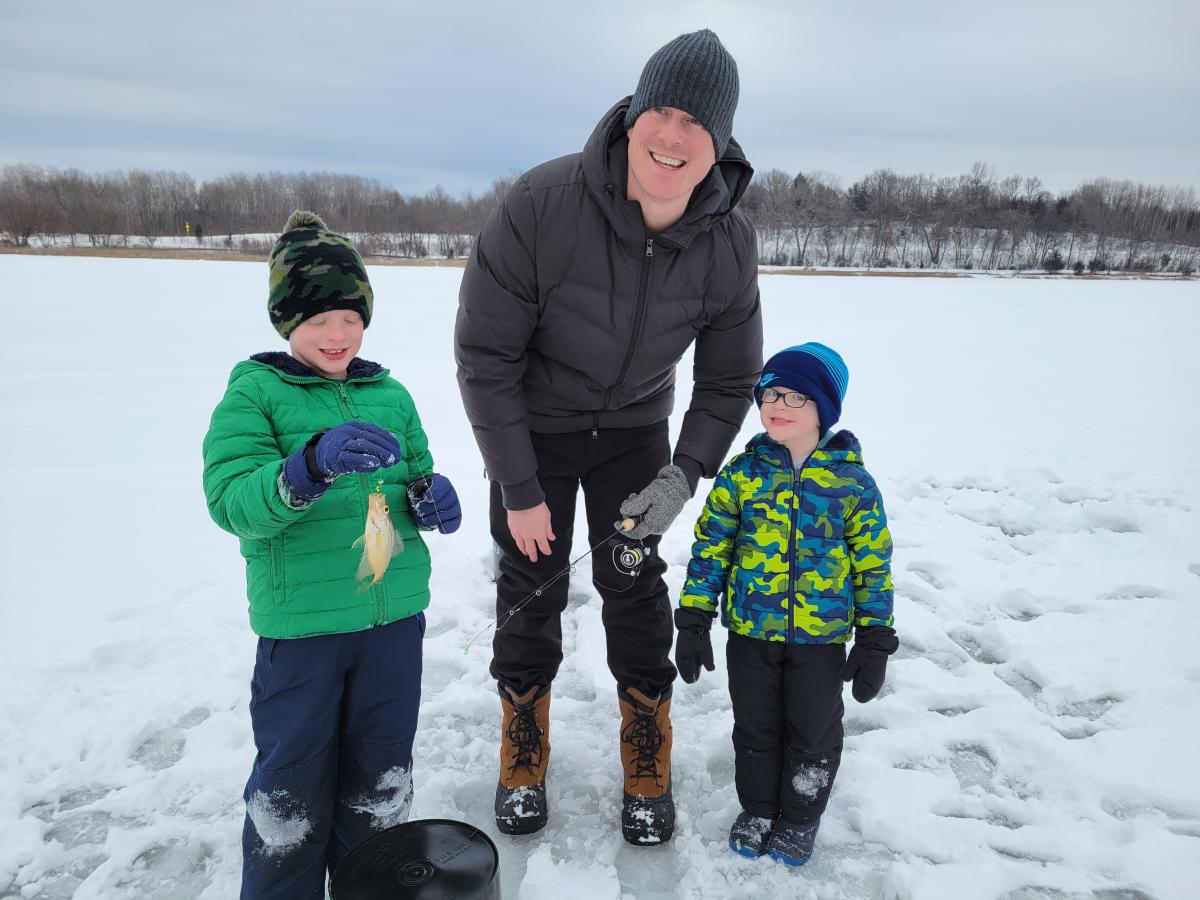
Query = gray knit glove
x=658 y=503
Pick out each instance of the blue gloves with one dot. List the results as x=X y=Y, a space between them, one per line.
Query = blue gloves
x=434 y=503
x=363 y=447
x=349 y=447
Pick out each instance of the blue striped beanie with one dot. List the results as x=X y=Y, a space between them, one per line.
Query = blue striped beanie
x=812 y=369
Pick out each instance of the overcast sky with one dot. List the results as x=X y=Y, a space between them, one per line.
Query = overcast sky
x=458 y=93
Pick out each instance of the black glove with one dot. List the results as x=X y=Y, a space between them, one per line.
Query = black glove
x=866 y=665
x=693 y=648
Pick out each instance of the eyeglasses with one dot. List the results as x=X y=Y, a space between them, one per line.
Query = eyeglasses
x=794 y=399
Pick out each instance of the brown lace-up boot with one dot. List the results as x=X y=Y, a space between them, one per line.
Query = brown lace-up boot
x=524 y=754
x=648 y=816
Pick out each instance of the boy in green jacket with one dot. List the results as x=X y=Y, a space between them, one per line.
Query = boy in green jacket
x=296 y=447
x=794 y=551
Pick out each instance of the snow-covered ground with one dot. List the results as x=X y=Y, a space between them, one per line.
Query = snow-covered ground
x=1037 y=739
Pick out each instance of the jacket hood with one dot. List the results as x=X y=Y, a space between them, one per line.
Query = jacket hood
x=841 y=447
x=606 y=167
x=286 y=364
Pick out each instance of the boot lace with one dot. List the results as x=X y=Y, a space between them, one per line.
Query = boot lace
x=646 y=739
x=525 y=736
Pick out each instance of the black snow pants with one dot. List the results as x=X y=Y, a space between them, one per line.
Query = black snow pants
x=787 y=725
x=610 y=464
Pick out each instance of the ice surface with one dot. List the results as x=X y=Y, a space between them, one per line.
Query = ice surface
x=1036 y=736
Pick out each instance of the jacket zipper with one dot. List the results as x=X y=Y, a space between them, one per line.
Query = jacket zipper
x=791 y=595
x=639 y=318
x=361 y=480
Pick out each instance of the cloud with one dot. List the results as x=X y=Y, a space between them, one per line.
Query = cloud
x=416 y=94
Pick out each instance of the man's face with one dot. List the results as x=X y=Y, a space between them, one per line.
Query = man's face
x=670 y=153
x=328 y=341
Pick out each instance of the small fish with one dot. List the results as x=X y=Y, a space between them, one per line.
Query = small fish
x=380 y=542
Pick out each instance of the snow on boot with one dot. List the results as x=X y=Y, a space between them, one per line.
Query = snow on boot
x=750 y=834
x=648 y=814
x=793 y=844
x=524 y=754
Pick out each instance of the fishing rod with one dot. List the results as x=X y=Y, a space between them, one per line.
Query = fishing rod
x=628 y=557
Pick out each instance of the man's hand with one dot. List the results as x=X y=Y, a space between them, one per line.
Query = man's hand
x=531 y=530
x=658 y=503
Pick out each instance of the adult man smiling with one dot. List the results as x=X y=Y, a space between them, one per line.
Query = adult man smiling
x=584 y=289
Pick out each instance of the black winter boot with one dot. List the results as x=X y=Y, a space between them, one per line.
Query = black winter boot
x=749 y=835
x=792 y=844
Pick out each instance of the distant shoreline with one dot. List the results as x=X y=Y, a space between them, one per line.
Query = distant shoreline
x=236 y=256
x=224 y=255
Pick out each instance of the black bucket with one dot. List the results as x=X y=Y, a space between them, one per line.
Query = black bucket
x=427 y=859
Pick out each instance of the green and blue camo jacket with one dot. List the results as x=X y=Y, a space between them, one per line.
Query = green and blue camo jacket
x=793 y=553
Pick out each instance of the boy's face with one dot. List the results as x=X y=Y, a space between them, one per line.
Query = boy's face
x=328 y=341
x=786 y=424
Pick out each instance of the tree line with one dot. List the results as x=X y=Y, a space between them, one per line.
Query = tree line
x=972 y=221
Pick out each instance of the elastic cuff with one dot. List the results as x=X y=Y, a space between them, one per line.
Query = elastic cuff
x=310 y=456
x=700 y=606
x=290 y=498
x=691 y=468
x=524 y=495
x=693 y=617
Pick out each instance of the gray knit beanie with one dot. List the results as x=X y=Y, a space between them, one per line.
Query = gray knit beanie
x=694 y=73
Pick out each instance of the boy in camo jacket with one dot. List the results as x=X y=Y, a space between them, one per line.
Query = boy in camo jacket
x=793 y=549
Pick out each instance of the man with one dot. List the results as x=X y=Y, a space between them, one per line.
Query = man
x=583 y=291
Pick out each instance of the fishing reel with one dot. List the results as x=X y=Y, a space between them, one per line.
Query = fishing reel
x=628 y=556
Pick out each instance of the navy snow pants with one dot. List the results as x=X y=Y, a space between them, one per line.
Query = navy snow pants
x=334 y=718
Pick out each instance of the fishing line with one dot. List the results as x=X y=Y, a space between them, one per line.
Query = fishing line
x=500 y=621
x=423 y=474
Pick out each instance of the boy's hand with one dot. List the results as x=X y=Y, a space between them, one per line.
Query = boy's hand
x=349 y=447
x=355 y=447
x=658 y=503
x=693 y=648
x=867 y=664
x=531 y=530
x=434 y=503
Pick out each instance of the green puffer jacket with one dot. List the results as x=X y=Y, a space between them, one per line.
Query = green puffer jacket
x=300 y=565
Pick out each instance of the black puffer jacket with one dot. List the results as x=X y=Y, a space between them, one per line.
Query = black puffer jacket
x=571 y=317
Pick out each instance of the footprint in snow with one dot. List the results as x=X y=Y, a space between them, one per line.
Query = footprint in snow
x=972 y=765
x=1018 y=681
x=164 y=747
x=951 y=712
x=173 y=869
x=976 y=649
x=1100 y=520
x=1135 y=592
x=857 y=727
x=928 y=572
x=1025 y=855
x=72 y=798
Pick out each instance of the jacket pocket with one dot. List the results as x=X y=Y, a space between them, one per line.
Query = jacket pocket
x=278 y=583
x=263 y=659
